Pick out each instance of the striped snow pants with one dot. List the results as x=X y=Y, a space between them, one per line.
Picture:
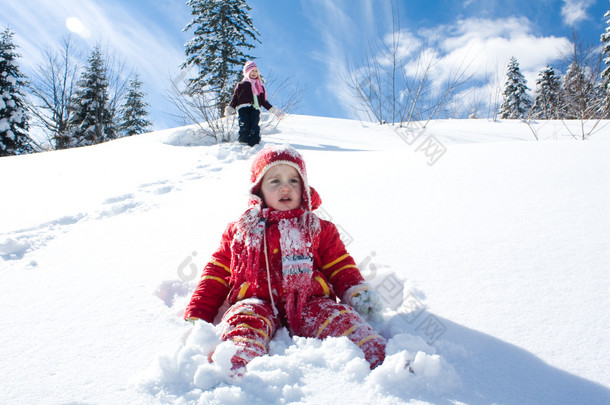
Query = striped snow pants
x=250 y=324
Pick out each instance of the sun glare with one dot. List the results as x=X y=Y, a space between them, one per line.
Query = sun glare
x=75 y=25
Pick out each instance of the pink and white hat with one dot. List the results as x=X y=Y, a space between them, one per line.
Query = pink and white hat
x=249 y=66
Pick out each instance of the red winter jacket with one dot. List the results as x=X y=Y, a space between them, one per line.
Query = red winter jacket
x=334 y=272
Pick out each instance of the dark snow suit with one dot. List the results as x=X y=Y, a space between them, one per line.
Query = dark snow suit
x=249 y=131
x=249 y=116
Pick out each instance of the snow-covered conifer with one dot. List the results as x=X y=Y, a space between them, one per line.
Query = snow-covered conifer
x=222 y=31
x=579 y=97
x=133 y=112
x=517 y=103
x=548 y=95
x=14 y=126
x=605 y=76
x=93 y=120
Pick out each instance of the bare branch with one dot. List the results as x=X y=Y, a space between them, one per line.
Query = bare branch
x=393 y=84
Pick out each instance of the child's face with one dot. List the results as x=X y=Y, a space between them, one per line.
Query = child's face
x=282 y=188
x=253 y=73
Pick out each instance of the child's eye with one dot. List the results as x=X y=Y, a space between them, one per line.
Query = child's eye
x=294 y=181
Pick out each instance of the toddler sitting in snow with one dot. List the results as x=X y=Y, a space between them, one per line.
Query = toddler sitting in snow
x=281 y=265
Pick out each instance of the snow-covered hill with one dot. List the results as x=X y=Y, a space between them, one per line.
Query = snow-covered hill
x=492 y=251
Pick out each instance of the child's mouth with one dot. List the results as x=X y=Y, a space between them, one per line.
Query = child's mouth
x=285 y=199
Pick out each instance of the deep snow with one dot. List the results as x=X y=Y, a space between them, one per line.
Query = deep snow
x=491 y=250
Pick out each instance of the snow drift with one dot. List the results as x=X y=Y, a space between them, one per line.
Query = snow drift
x=490 y=250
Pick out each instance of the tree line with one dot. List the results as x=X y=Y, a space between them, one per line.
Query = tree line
x=76 y=106
x=394 y=83
x=71 y=105
x=582 y=93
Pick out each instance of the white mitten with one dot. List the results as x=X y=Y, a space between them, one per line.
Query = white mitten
x=277 y=112
x=229 y=111
x=364 y=300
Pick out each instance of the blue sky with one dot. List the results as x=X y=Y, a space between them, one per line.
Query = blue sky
x=311 y=41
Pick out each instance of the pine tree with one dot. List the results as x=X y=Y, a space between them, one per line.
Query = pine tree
x=547 y=100
x=133 y=113
x=93 y=120
x=14 y=126
x=605 y=76
x=222 y=29
x=579 y=100
x=517 y=103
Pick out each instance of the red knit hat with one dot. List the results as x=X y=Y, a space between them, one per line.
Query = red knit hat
x=277 y=155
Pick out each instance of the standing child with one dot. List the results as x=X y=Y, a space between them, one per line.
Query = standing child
x=248 y=97
x=281 y=265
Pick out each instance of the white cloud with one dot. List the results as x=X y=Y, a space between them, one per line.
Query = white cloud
x=575 y=11
x=347 y=28
x=334 y=37
x=477 y=47
x=485 y=46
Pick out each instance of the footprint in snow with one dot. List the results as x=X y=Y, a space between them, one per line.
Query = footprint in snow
x=164 y=190
x=117 y=199
x=15 y=245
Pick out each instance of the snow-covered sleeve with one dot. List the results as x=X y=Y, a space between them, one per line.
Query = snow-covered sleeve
x=338 y=266
x=213 y=286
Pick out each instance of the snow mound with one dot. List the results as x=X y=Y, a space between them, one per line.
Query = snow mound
x=189 y=136
x=12 y=249
x=198 y=371
x=201 y=135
